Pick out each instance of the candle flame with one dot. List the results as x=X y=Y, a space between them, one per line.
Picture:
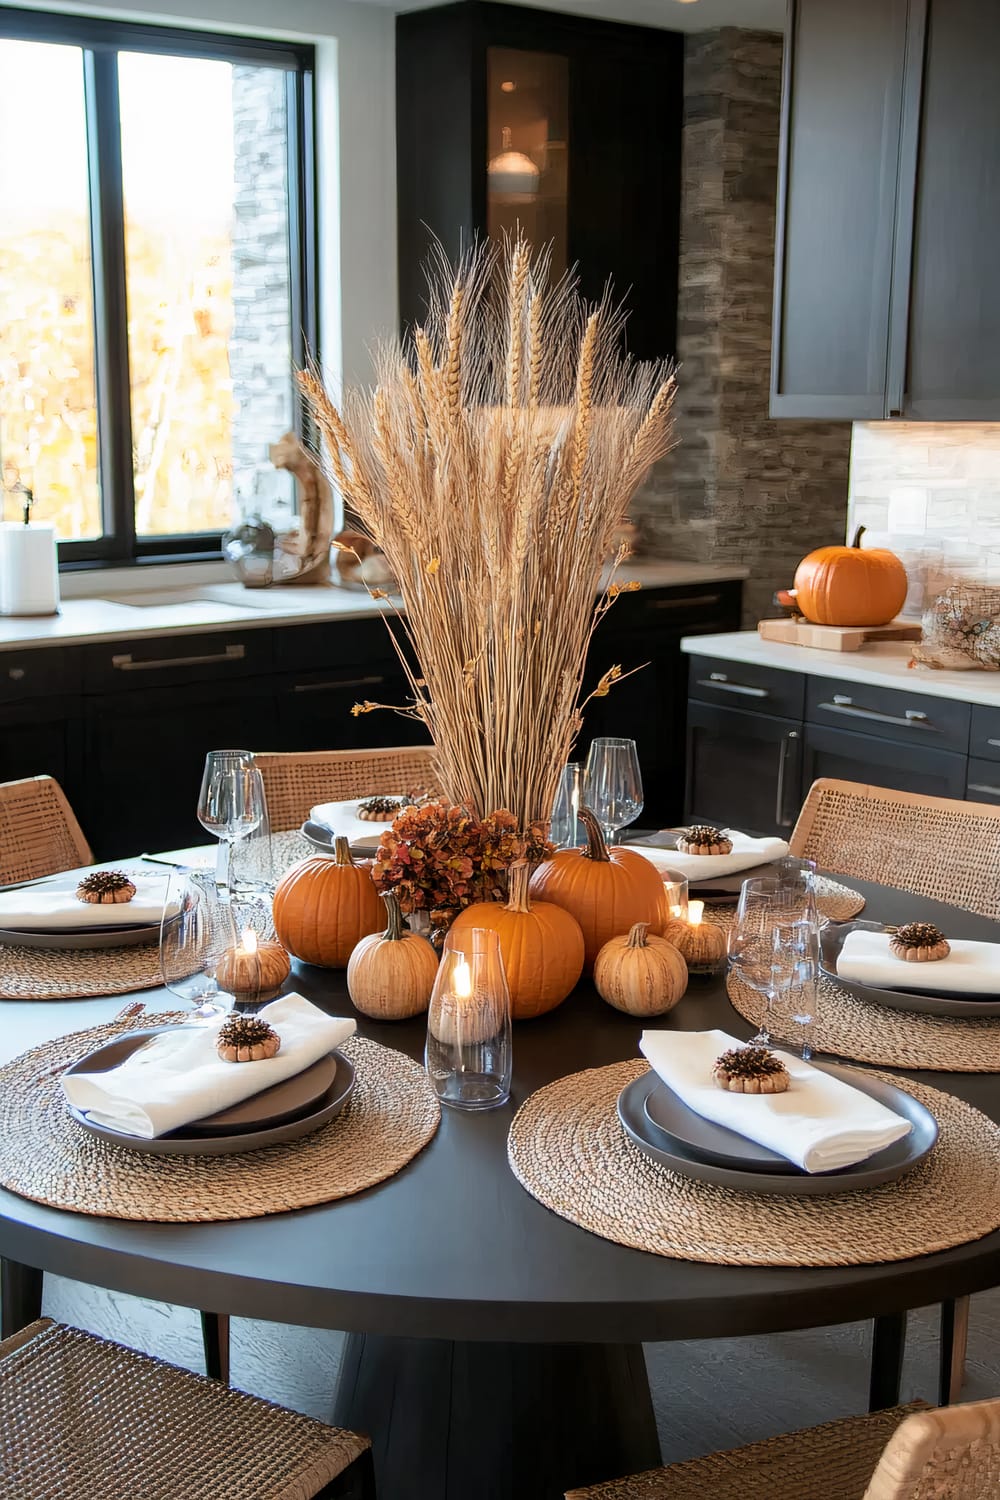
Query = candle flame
x=463 y=980
x=696 y=910
x=249 y=940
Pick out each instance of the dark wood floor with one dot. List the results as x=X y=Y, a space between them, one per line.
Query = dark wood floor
x=709 y=1395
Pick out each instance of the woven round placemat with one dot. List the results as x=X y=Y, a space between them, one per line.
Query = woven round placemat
x=46 y=1156
x=76 y=973
x=849 y=1027
x=835 y=902
x=567 y=1148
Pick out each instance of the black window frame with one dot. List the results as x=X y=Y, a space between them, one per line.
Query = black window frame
x=101 y=41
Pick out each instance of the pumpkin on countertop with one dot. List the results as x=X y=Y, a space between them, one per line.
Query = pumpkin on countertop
x=541 y=945
x=607 y=891
x=852 y=585
x=391 y=974
x=639 y=974
x=324 y=907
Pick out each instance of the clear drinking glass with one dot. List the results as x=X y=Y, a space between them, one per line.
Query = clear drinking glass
x=231 y=803
x=469 y=1049
x=795 y=984
x=197 y=934
x=252 y=868
x=764 y=904
x=564 y=830
x=613 y=786
x=675 y=888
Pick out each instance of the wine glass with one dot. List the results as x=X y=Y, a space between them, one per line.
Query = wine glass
x=197 y=933
x=795 y=982
x=613 y=784
x=231 y=803
x=765 y=903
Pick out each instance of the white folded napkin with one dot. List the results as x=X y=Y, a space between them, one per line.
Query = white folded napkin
x=181 y=1077
x=56 y=904
x=342 y=818
x=819 y=1122
x=970 y=968
x=747 y=852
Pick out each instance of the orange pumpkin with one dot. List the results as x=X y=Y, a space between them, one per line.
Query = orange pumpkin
x=607 y=891
x=850 y=585
x=541 y=945
x=324 y=907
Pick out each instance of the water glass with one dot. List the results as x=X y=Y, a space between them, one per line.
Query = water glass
x=197 y=931
x=469 y=1046
x=613 y=786
x=795 y=984
x=675 y=889
x=765 y=903
x=564 y=829
x=231 y=803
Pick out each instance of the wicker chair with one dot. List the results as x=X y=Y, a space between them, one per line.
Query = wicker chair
x=39 y=834
x=296 y=782
x=85 y=1418
x=905 y=1453
x=939 y=848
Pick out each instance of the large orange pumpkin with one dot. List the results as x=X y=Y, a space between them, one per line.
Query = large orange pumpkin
x=850 y=585
x=541 y=945
x=607 y=891
x=324 y=907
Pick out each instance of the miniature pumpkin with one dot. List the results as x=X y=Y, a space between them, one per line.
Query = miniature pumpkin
x=324 y=907
x=541 y=945
x=391 y=974
x=639 y=974
x=850 y=585
x=253 y=974
x=701 y=945
x=607 y=891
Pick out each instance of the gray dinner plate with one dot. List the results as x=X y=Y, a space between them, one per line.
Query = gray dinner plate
x=321 y=839
x=670 y=1116
x=921 y=1003
x=278 y=1119
x=136 y=936
x=885 y=1166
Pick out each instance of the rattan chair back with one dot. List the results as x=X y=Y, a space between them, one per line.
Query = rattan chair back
x=39 y=833
x=934 y=846
x=295 y=782
x=952 y=1451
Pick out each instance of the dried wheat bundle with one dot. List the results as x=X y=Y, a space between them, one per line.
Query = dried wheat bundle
x=492 y=463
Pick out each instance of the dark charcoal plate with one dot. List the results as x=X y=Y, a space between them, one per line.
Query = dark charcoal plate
x=922 y=1003
x=885 y=1166
x=711 y=1142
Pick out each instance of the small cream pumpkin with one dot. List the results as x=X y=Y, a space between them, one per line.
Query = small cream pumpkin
x=390 y=974
x=639 y=974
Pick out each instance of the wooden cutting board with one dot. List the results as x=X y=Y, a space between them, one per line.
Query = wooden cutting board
x=835 y=637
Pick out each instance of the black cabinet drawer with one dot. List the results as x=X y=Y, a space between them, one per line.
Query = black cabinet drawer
x=175 y=660
x=33 y=674
x=341 y=643
x=983 y=784
x=314 y=710
x=984 y=737
x=706 y=606
x=909 y=718
x=847 y=756
x=736 y=684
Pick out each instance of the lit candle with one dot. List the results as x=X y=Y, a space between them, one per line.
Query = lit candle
x=253 y=971
x=702 y=944
x=696 y=910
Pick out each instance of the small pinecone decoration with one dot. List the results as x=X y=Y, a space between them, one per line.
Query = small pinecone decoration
x=105 y=888
x=702 y=838
x=245 y=1038
x=379 y=809
x=919 y=942
x=751 y=1070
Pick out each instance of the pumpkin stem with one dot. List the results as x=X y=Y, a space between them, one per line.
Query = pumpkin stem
x=637 y=935
x=597 y=848
x=342 y=850
x=517 y=884
x=395 y=929
x=858 y=535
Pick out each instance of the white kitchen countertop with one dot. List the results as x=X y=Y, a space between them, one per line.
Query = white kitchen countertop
x=192 y=608
x=884 y=663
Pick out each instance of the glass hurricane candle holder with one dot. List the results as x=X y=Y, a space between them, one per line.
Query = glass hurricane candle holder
x=253 y=970
x=196 y=932
x=675 y=889
x=703 y=945
x=469 y=1051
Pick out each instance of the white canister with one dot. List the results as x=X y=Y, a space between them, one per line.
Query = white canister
x=29 y=569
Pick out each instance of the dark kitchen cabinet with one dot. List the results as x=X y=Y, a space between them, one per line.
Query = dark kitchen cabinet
x=886 y=299
x=744 y=770
x=566 y=127
x=315 y=709
x=847 y=756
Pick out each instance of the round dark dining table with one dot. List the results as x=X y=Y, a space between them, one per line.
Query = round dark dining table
x=494 y=1349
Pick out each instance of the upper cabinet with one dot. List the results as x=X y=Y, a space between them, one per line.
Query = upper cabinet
x=566 y=127
x=886 y=299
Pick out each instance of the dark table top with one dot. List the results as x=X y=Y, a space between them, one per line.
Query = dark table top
x=453 y=1247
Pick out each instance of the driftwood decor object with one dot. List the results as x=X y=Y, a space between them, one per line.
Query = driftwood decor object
x=306 y=547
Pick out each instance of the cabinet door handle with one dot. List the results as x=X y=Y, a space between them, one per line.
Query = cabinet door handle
x=331 y=687
x=720 y=682
x=994 y=743
x=698 y=600
x=911 y=718
x=982 y=786
x=779 y=796
x=125 y=663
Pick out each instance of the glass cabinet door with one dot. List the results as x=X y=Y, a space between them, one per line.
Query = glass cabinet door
x=527 y=146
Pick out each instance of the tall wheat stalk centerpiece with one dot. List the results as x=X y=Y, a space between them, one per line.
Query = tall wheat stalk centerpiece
x=493 y=463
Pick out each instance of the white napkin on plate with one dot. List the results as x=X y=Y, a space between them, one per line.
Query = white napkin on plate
x=819 y=1122
x=747 y=852
x=181 y=1077
x=56 y=904
x=342 y=818
x=970 y=968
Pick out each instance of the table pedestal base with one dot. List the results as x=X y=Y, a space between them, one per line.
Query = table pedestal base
x=474 y=1421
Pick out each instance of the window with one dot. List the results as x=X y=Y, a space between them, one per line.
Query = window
x=157 y=277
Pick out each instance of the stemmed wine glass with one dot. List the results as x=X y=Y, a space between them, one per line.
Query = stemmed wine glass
x=231 y=804
x=197 y=935
x=613 y=784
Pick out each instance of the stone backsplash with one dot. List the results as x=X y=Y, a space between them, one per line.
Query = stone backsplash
x=931 y=492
